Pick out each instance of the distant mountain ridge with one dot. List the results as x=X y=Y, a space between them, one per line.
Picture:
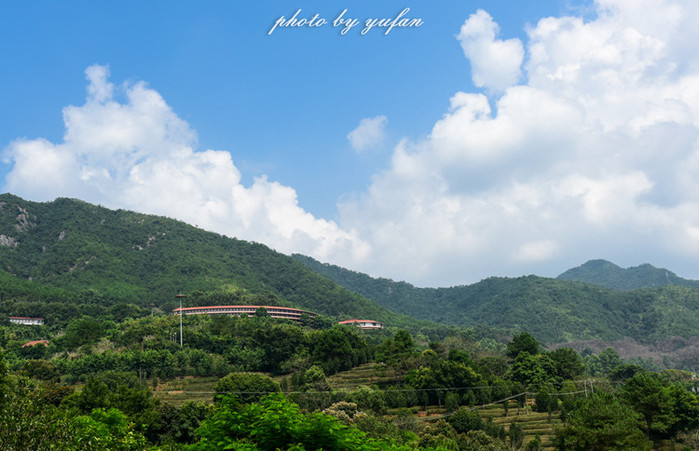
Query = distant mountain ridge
x=552 y=310
x=607 y=274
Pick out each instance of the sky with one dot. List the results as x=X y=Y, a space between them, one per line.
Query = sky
x=450 y=142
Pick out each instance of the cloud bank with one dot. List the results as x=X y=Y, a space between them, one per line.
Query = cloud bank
x=138 y=154
x=583 y=144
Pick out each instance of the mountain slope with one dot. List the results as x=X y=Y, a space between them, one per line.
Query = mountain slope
x=607 y=274
x=550 y=309
x=121 y=256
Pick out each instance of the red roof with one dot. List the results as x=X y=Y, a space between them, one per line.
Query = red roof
x=184 y=309
x=37 y=342
x=349 y=321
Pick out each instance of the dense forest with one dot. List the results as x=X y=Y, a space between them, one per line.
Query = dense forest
x=607 y=274
x=71 y=251
x=552 y=310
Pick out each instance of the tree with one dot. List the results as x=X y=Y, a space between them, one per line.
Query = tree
x=523 y=342
x=247 y=387
x=569 y=364
x=40 y=369
x=685 y=409
x=82 y=331
x=647 y=395
x=464 y=420
x=608 y=359
x=601 y=422
x=533 y=369
x=516 y=435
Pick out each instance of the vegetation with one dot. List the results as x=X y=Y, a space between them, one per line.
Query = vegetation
x=552 y=310
x=607 y=274
x=456 y=393
x=65 y=259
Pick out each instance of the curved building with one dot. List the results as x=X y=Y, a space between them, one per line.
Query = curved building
x=274 y=311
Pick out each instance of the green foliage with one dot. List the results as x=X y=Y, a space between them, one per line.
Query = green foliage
x=622 y=372
x=647 y=395
x=248 y=387
x=544 y=402
x=107 y=430
x=464 y=420
x=607 y=274
x=41 y=369
x=480 y=441
x=534 y=370
x=569 y=364
x=516 y=435
x=276 y=423
x=601 y=422
x=338 y=348
x=122 y=391
x=27 y=424
x=523 y=342
x=552 y=310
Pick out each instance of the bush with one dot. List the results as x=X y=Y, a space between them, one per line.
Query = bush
x=247 y=387
x=464 y=420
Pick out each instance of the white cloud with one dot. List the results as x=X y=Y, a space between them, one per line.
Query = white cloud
x=495 y=63
x=140 y=155
x=369 y=133
x=594 y=154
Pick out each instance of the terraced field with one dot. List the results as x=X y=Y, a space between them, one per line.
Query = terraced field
x=532 y=423
x=179 y=391
x=367 y=374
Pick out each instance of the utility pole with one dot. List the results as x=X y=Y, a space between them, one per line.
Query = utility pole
x=180 y=296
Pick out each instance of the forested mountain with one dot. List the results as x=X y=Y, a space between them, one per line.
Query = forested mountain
x=607 y=274
x=552 y=310
x=71 y=250
x=90 y=255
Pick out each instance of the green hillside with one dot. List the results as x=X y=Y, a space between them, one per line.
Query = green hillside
x=607 y=274
x=552 y=310
x=71 y=250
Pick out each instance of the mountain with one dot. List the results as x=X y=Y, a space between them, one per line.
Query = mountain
x=69 y=250
x=607 y=274
x=550 y=309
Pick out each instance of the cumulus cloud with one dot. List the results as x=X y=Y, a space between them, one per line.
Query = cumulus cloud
x=495 y=63
x=140 y=155
x=369 y=134
x=592 y=151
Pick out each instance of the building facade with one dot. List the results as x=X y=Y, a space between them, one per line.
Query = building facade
x=27 y=321
x=366 y=324
x=274 y=311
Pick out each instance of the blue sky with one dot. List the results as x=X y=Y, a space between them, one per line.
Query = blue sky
x=375 y=152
